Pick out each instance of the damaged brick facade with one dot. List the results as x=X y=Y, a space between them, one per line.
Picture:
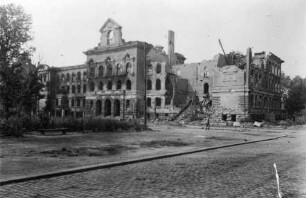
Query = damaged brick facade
x=112 y=81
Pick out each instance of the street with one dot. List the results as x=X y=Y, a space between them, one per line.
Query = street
x=241 y=171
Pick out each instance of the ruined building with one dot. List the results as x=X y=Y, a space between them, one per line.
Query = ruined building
x=112 y=81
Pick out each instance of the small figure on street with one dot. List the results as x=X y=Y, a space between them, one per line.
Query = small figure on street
x=207 y=124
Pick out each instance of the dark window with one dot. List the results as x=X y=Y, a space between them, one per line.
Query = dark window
x=79 y=88
x=92 y=86
x=128 y=85
x=149 y=85
x=84 y=102
x=158 y=68
x=206 y=88
x=67 y=76
x=72 y=102
x=109 y=85
x=84 y=88
x=109 y=69
x=149 y=102
x=127 y=104
x=118 y=84
x=73 y=88
x=101 y=70
x=56 y=102
x=158 y=85
x=84 y=75
x=158 y=102
x=100 y=85
x=78 y=102
x=63 y=77
x=68 y=89
x=233 y=117
x=73 y=77
x=91 y=104
x=79 y=76
x=224 y=117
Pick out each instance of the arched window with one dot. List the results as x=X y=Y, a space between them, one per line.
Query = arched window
x=92 y=71
x=127 y=56
x=158 y=68
x=158 y=84
x=67 y=76
x=118 y=85
x=79 y=88
x=84 y=88
x=100 y=85
x=98 y=107
x=73 y=88
x=73 y=77
x=79 y=76
x=128 y=85
x=116 y=107
x=109 y=69
x=63 y=77
x=109 y=85
x=101 y=70
x=149 y=84
x=206 y=88
x=119 y=69
x=149 y=69
x=110 y=38
x=84 y=75
x=128 y=67
x=92 y=86
x=68 y=89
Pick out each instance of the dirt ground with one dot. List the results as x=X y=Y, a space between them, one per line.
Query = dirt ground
x=37 y=154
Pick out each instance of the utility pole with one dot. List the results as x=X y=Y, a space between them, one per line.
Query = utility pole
x=145 y=84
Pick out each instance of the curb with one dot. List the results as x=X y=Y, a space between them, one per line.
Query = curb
x=122 y=163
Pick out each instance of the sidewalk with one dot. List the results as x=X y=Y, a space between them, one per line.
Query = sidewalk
x=25 y=160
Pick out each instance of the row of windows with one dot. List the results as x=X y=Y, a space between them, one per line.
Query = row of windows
x=158 y=68
x=77 y=76
x=119 y=69
x=261 y=101
x=109 y=85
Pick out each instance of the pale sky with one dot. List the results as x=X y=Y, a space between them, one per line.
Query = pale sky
x=64 y=29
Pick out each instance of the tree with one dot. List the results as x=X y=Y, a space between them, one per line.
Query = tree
x=19 y=83
x=296 y=99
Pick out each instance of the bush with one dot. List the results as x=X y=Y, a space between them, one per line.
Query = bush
x=95 y=124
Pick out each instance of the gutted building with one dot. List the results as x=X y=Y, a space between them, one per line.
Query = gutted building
x=112 y=81
x=118 y=76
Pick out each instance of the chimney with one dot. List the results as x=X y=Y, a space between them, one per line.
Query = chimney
x=171 y=57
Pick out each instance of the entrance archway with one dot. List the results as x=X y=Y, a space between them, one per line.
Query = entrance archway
x=116 y=107
x=107 y=107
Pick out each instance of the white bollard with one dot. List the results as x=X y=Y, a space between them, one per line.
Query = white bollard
x=277 y=181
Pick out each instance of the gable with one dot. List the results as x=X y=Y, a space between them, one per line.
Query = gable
x=110 y=24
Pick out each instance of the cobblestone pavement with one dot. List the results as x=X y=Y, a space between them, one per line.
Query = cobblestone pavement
x=242 y=171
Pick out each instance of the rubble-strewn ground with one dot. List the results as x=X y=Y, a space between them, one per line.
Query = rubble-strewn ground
x=35 y=154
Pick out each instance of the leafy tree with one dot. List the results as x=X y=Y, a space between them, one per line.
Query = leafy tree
x=296 y=99
x=19 y=83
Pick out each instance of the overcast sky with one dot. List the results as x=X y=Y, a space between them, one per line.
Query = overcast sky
x=64 y=29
